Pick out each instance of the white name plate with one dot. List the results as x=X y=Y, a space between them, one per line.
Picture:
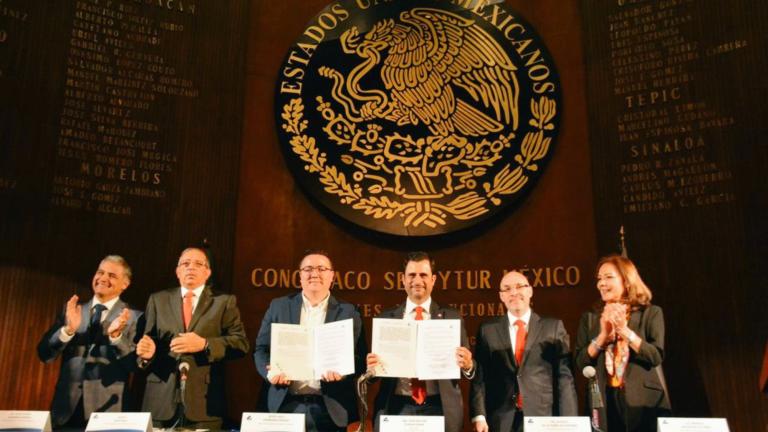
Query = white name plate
x=119 y=421
x=688 y=424
x=271 y=422
x=25 y=420
x=559 y=424
x=394 y=423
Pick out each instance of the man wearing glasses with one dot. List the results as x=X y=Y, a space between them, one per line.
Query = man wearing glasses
x=190 y=331
x=329 y=404
x=523 y=364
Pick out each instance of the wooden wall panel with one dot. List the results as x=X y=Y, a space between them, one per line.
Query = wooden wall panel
x=120 y=126
x=677 y=131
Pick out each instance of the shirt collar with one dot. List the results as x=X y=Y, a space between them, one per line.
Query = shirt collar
x=410 y=306
x=198 y=291
x=108 y=304
x=322 y=305
x=526 y=318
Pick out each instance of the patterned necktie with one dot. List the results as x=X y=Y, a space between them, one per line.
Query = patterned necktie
x=94 y=327
x=418 y=387
x=187 y=309
x=519 y=348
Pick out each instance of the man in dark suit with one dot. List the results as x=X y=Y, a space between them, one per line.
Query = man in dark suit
x=328 y=404
x=95 y=340
x=195 y=327
x=404 y=396
x=523 y=364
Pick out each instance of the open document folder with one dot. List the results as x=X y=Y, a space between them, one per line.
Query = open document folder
x=417 y=349
x=306 y=353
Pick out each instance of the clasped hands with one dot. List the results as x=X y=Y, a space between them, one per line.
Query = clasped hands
x=184 y=343
x=613 y=323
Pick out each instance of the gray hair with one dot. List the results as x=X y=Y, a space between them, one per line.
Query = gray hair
x=117 y=259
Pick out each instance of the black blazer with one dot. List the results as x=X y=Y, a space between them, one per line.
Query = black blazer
x=112 y=363
x=217 y=319
x=544 y=379
x=339 y=397
x=645 y=389
x=450 y=392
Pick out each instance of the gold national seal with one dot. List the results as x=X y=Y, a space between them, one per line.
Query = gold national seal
x=417 y=118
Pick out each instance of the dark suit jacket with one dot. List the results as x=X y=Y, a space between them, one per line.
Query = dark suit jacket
x=450 y=392
x=339 y=397
x=544 y=378
x=645 y=388
x=112 y=364
x=217 y=319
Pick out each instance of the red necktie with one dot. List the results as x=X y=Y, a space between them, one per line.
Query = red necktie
x=187 y=309
x=519 y=348
x=418 y=388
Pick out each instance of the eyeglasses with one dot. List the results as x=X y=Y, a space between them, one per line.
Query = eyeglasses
x=518 y=287
x=319 y=269
x=195 y=264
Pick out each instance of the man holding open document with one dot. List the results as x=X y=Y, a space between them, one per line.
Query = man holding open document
x=420 y=351
x=305 y=376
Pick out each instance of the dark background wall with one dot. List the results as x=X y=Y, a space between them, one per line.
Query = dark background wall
x=120 y=130
x=677 y=134
x=223 y=178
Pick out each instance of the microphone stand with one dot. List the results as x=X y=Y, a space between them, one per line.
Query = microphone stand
x=595 y=403
x=362 y=396
x=181 y=406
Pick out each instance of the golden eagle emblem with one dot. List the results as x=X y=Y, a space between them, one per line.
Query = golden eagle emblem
x=421 y=112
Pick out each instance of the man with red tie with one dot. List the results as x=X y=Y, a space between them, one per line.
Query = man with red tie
x=523 y=364
x=190 y=331
x=403 y=396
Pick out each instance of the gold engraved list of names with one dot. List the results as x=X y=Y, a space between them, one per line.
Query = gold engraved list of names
x=670 y=153
x=111 y=153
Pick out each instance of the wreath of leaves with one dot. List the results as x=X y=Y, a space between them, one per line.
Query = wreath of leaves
x=470 y=205
x=305 y=147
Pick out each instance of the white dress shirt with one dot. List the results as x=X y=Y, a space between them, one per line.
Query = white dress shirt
x=311 y=316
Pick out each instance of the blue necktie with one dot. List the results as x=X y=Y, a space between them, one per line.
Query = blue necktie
x=94 y=329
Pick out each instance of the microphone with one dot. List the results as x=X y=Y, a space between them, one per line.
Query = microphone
x=183 y=368
x=183 y=372
x=595 y=398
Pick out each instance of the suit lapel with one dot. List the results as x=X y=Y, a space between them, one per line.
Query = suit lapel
x=174 y=306
x=294 y=309
x=85 y=321
x=533 y=333
x=206 y=299
x=397 y=313
x=332 y=313
x=501 y=328
x=114 y=312
x=435 y=312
